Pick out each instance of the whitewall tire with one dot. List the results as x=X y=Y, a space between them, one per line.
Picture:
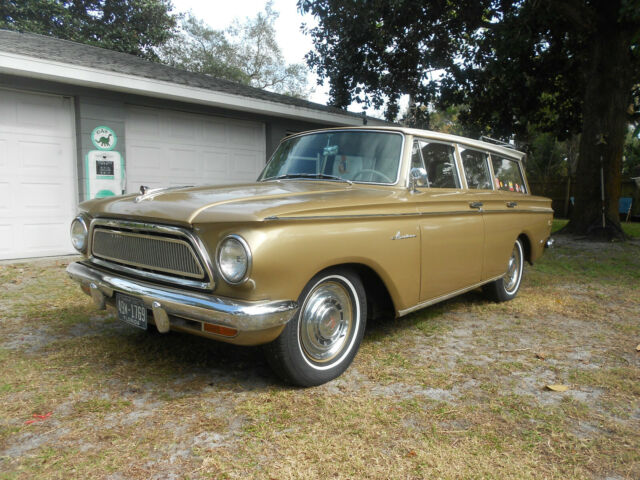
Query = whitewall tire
x=321 y=341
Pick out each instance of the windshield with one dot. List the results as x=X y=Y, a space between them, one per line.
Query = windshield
x=352 y=156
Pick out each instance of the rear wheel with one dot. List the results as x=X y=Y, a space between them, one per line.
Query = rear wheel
x=506 y=288
x=320 y=342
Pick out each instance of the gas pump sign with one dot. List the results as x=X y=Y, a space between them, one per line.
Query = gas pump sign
x=105 y=174
x=104 y=138
x=104 y=167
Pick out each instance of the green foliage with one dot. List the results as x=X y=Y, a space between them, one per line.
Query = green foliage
x=245 y=52
x=548 y=158
x=199 y=48
x=631 y=158
x=445 y=120
x=511 y=63
x=129 y=26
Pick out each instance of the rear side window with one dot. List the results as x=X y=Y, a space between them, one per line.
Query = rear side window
x=507 y=174
x=476 y=168
x=439 y=161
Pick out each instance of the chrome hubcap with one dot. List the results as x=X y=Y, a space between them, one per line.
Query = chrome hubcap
x=512 y=277
x=326 y=320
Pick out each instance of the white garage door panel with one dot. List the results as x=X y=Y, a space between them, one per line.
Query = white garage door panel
x=44 y=157
x=215 y=163
x=183 y=162
x=6 y=239
x=167 y=148
x=5 y=198
x=245 y=163
x=4 y=145
x=37 y=175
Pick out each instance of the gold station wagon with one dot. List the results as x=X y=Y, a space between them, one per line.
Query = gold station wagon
x=342 y=224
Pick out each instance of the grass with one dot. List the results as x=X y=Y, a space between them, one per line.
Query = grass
x=453 y=391
x=630 y=228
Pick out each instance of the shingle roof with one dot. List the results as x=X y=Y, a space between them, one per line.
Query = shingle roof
x=65 y=51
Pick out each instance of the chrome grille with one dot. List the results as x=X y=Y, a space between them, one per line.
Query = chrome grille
x=160 y=254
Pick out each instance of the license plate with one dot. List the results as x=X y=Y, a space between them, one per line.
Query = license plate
x=131 y=310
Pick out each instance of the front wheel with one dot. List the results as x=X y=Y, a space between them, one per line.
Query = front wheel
x=320 y=342
x=506 y=287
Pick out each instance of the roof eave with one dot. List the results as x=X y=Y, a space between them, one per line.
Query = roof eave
x=26 y=66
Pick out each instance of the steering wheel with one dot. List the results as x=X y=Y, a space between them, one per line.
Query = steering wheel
x=375 y=172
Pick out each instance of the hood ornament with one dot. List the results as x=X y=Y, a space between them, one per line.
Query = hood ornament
x=147 y=193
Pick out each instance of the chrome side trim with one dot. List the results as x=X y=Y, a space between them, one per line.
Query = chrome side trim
x=241 y=315
x=404 y=312
x=547 y=211
x=374 y=215
x=162 y=229
x=408 y=214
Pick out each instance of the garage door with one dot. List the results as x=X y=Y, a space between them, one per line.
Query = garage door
x=37 y=175
x=165 y=148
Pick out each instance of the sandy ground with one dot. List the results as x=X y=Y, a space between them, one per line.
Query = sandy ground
x=175 y=402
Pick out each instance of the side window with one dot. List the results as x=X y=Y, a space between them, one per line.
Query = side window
x=476 y=168
x=507 y=174
x=440 y=163
x=416 y=158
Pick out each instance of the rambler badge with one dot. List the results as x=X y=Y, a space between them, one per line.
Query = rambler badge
x=399 y=236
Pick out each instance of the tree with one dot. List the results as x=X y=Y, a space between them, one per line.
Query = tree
x=199 y=48
x=129 y=26
x=547 y=160
x=246 y=52
x=441 y=120
x=631 y=159
x=567 y=66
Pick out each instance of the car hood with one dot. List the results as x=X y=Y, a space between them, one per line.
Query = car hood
x=246 y=202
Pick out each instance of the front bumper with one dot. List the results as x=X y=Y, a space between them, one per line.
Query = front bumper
x=255 y=322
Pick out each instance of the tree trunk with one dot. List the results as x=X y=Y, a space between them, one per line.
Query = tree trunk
x=607 y=97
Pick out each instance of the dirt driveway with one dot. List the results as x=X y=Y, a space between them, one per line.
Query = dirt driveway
x=454 y=391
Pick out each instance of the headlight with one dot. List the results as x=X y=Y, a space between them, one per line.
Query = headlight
x=234 y=259
x=79 y=234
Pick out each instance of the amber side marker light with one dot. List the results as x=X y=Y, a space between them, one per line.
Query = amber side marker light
x=220 y=330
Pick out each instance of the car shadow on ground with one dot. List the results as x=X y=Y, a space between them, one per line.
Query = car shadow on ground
x=178 y=355
x=175 y=358
x=435 y=314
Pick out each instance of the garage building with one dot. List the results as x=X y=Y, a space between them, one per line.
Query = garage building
x=79 y=122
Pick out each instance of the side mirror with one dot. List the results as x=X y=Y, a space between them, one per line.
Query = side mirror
x=417 y=178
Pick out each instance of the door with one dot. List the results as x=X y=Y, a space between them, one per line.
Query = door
x=168 y=148
x=38 y=189
x=451 y=227
x=507 y=214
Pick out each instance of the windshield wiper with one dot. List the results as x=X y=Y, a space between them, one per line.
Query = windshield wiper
x=310 y=175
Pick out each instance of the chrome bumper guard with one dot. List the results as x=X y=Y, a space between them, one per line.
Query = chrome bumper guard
x=243 y=316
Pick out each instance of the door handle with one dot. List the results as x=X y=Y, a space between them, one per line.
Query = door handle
x=477 y=205
x=512 y=204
